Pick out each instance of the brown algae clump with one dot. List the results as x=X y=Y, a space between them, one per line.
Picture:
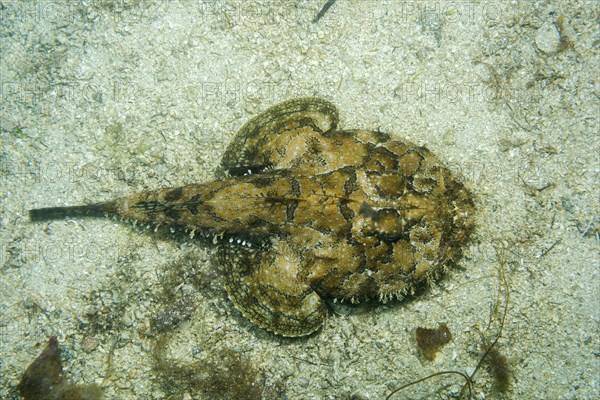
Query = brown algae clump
x=44 y=379
x=431 y=340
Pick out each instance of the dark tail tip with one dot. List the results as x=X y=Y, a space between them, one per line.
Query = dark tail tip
x=50 y=213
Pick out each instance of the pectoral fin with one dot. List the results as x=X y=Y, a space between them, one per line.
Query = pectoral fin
x=263 y=283
x=261 y=142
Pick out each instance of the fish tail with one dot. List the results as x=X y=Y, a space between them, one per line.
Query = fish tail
x=91 y=210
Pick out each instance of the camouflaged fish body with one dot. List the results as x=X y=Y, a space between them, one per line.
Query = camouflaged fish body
x=308 y=212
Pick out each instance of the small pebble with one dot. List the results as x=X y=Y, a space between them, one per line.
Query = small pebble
x=547 y=38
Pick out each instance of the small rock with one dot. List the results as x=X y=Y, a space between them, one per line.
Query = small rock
x=547 y=38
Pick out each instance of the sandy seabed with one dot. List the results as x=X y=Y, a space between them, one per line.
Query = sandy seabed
x=101 y=99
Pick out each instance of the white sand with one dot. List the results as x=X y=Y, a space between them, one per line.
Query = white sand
x=101 y=100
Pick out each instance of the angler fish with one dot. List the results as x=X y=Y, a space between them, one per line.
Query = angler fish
x=307 y=212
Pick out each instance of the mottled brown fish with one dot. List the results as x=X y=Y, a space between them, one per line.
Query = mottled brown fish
x=308 y=212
